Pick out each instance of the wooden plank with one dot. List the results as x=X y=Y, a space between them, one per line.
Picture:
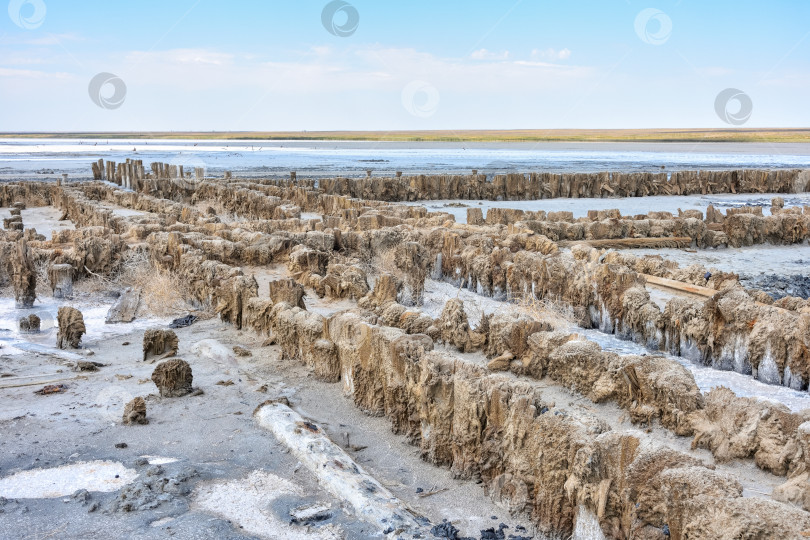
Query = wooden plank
x=697 y=289
x=630 y=243
x=679 y=286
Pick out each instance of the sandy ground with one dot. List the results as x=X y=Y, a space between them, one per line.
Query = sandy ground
x=234 y=480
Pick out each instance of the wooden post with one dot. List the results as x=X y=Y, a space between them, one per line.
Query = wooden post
x=23 y=276
x=61 y=278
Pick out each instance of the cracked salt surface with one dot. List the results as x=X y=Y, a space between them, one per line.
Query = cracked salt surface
x=104 y=476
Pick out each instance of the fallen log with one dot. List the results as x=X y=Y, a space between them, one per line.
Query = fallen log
x=337 y=472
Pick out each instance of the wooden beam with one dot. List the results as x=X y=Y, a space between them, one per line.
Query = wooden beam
x=630 y=243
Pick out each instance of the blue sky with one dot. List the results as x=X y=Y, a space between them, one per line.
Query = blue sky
x=269 y=65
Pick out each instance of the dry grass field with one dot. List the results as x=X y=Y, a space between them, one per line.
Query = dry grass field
x=505 y=135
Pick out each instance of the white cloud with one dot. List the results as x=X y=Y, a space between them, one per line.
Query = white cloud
x=324 y=70
x=194 y=57
x=714 y=71
x=47 y=39
x=483 y=54
x=33 y=74
x=551 y=54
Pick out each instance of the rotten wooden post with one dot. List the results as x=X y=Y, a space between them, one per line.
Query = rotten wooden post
x=61 y=278
x=24 y=276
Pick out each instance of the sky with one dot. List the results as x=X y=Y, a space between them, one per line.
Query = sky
x=266 y=65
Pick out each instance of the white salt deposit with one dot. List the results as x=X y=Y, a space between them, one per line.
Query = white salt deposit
x=707 y=377
x=248 y=502
x=102 y=476
x=587 y=526
x=438 y=292
x=158 y=460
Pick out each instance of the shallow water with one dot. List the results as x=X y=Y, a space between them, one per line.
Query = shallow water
x=94 y=314
x=35 y=158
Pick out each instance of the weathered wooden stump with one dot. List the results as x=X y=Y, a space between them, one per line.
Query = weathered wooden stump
x=159 y=343
x=61 y=278
x=24 y=276
x=135 y=412
x=30 y=324
x=475 y=216
x=13 y=223
x=71 y=328
x=173 y=378
x=287 y=290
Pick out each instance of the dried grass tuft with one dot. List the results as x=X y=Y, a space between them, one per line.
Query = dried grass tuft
x=544 y=309
x=163 y=293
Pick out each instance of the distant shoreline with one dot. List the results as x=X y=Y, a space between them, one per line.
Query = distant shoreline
x=765 y=135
